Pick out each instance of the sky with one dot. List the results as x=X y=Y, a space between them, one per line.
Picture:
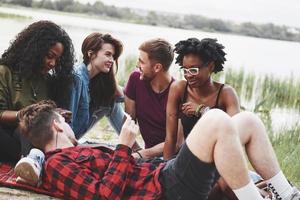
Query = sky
x=281 y=12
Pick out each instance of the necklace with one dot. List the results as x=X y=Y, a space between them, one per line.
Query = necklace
x=33 y=90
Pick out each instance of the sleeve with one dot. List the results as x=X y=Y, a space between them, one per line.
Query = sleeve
x=79 y=106
x=5 y=85
x=75 y=92
x=76 y=182
x=130 y=90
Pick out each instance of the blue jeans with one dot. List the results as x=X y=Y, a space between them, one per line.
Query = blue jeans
x=114 y=113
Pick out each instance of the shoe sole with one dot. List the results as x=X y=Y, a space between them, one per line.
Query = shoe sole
x=26 y=171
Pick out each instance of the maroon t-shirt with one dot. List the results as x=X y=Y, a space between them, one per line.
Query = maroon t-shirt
x=150 y=109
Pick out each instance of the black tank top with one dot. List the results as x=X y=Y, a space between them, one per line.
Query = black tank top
x=189 y=122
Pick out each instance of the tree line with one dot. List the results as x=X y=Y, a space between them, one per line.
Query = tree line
x=192 y=22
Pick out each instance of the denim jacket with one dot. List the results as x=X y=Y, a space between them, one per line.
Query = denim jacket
x=82 y=117
x=79 y=100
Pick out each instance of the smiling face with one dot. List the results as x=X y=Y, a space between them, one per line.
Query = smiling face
x=145 y=66
x=191 y=61
x=103 y=60
x=52 y=57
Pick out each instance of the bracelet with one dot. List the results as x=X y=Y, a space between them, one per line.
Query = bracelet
x=140 y=148
x=198 y=110
x=17 y=116
x=204 y=110
x=139 y=154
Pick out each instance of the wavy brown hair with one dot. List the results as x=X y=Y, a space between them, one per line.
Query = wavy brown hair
x=159 y=50
x=103 y=86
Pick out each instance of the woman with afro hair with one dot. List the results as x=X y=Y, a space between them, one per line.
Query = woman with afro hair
x=37 y=65
x=189 y=99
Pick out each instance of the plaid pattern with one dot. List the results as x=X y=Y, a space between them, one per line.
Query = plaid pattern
x=100 y=173
x=8 y=179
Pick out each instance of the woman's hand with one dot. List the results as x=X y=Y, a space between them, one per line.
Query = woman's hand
x=65 y=113
x=189 y=108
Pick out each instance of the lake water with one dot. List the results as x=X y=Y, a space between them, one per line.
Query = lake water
x=254 y=54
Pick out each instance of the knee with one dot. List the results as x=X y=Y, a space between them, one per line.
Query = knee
x=215 y=115
x=217 y=118
x=249 y=125
x=219 y=122
x=248 y=120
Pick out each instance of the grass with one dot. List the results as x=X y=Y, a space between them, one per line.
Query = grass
x=13 y=16
x=287 y=148
x=273 y=91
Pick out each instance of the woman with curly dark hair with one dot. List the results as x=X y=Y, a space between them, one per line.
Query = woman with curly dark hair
x=37 y=65
x=189 y=99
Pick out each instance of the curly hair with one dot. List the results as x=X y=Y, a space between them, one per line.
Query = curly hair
x=27 y=52
x=208 y=50
x=103 y=86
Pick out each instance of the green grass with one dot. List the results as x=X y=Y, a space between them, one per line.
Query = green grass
x=130 y=65
x=272 y=91
x=287 y=148
x=13 y=16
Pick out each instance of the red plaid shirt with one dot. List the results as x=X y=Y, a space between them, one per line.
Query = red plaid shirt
x=100 y=173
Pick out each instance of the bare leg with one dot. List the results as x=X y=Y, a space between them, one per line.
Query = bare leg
x=215 y=139
x=258 y=147
x=262 y=156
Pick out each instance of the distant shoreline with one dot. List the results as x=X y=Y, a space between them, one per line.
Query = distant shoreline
x=181 y=21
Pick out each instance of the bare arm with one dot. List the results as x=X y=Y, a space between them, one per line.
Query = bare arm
x=170 y=148
x=230 y=101
x=155 y=151
x=130 y=107
x=8 y=117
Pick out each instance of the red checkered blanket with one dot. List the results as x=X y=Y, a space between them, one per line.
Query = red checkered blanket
x=8 y=179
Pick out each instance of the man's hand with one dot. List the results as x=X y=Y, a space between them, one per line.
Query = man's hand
x=128 y=132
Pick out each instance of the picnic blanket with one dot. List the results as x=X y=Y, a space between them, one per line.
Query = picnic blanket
x=8 y=179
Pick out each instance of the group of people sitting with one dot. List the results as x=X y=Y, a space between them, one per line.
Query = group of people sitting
x=193 y=129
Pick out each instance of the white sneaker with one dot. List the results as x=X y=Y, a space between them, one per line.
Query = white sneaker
x=23 y=181
x=29 y=168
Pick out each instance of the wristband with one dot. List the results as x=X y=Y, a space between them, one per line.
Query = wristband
x=137 y=149
x=198 y=110
x=17 y=116
x=139 y=154
x=204 y=109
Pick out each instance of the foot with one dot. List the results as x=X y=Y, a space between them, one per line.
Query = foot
x=29 y=170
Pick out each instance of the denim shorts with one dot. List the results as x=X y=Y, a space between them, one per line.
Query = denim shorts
x=186 y=177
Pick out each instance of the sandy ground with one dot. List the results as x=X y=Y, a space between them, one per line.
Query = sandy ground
x=13 y=194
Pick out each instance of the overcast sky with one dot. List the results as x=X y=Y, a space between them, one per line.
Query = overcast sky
x=282 y=12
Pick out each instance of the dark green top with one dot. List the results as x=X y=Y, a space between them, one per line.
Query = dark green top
x=17 y=93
